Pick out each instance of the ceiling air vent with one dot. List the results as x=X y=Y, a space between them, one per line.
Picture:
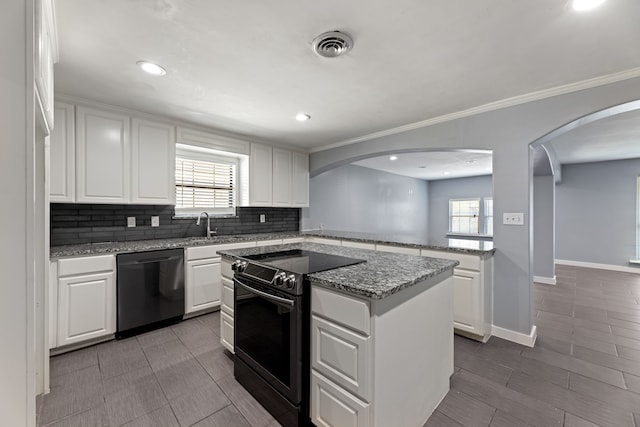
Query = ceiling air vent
x=332 y=44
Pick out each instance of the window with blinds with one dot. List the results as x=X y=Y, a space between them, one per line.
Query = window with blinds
x=205 y=185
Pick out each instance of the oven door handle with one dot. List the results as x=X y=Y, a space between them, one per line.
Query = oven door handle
x=274 y=298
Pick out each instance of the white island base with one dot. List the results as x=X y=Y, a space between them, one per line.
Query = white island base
x=381 y=362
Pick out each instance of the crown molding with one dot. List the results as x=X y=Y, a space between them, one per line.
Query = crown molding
x=492 y=106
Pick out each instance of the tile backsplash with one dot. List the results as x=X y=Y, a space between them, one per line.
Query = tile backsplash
x=93 y=223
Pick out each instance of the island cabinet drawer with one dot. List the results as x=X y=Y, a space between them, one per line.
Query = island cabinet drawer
x=342 y=309
x=331 y=406
x=468 y=262
x=342 y=356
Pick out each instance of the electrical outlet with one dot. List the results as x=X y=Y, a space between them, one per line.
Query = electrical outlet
x=131 y=221
x=155 y=221
x=263 y=218
x=516 y=218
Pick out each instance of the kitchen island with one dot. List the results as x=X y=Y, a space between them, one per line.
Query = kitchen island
x=381 y=336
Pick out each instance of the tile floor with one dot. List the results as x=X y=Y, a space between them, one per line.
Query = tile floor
x=584 y=370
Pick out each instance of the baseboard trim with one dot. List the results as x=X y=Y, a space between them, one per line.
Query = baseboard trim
x=609 y=267
x=516 y=337
x=545 y=280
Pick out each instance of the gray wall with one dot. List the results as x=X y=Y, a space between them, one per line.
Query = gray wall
x=596 y=212
x=543 y=226
x=354 y=198
x=508 y=132
x=441 y=191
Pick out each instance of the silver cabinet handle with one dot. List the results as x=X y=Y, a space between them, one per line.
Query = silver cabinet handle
x=280 y=300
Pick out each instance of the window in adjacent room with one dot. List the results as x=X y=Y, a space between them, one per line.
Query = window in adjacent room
x=205 y=182
x=464 y=216
x=488 y=216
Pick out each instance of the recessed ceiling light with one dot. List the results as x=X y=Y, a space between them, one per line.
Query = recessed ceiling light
x=393 y=158
x=581 y=5
x=302 y=117
x=151 y=68
x=447 y=173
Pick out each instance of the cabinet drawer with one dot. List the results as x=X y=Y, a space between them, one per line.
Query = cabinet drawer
x=83 y=265
x=342 y=356
x=227 y=272
x=468 y=262
x=226 y=331
x=340 y=308
x=331 y=406
x=201 y=252
x=398 y=249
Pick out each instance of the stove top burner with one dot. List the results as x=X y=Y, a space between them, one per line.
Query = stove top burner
x=303 y=262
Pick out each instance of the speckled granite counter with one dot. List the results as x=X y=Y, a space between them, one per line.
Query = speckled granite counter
x=150 y=245
x=483 y=248
x=382 y=274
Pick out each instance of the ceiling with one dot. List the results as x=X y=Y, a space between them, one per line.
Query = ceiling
x=246 y=67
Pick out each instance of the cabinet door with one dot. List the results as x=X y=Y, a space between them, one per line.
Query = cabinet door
x=102 y=156
x=86 y=307
x=153 y=162
x=226 y=331
x=281 y=177
x=227 y=296
x=467 y=301
x=260 y=175
x=203 y=286
x=62 y=173
x=300 y=180
x=331 y=406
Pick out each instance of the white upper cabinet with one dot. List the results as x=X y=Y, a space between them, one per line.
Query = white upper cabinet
x=278 y=177
x=261 y=175
x=63 y=157
x=103 y=156
x=300 y=180
x=152 y=162
x=46 y=55
x=281 y=177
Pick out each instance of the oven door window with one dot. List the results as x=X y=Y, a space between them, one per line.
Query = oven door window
x=265 y=331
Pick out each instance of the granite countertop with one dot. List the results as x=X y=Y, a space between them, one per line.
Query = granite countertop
x=481 y=247
x=383 y=274
x=150 y=245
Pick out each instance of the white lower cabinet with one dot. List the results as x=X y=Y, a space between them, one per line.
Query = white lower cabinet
x=332 y=406
x=86 y=306
x=202 y=284
x=467 y=300
x=226 y=331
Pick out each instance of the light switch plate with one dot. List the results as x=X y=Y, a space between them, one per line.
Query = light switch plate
x=131 y=221
x=514 y=218
x=262 y=218
x=155 y=221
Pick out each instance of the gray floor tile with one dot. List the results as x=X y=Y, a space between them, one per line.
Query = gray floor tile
x=466 y=410
x=182 y=378
x=65 y=401
x=246 y=404
x=613 y=362
x=500 y=419
x=628 y=353
x=74 y=361
x=559 y=346
x=199 y=404
x=166 y=354
x=162 y=417
x=138 y=399
x=79 y=378
x=217 y=363
x=122 y=382
x=438 y=419
x=636 y=417
x=624 y=332
x=227 y=417
x=509 y=401
x=609 y=394
x=94 y=417
x=487 y=368
x=571 y=420
x=156 y=337
x=589 y=408
x=211 y=321
x=632 y=382
x=128 y=361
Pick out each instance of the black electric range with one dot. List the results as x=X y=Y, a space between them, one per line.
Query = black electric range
x=272 y=318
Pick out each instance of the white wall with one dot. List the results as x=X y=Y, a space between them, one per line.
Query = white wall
x=508 y=132
x=17 y=401
x=596 y=212
x=359 y=199
x=440 y=191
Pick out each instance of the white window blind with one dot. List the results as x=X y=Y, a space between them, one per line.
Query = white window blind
x=488 y=216
x=205 y=185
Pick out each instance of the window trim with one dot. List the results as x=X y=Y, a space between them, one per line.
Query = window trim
x=449 y=216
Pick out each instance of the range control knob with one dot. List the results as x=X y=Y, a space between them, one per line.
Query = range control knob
x=235 y=264
x=239 y=266
x=290 y=281
x=279 y=278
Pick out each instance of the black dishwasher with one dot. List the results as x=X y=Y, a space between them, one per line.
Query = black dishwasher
x=150 y=289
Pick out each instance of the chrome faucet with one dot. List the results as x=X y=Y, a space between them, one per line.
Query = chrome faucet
x=209 y=232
